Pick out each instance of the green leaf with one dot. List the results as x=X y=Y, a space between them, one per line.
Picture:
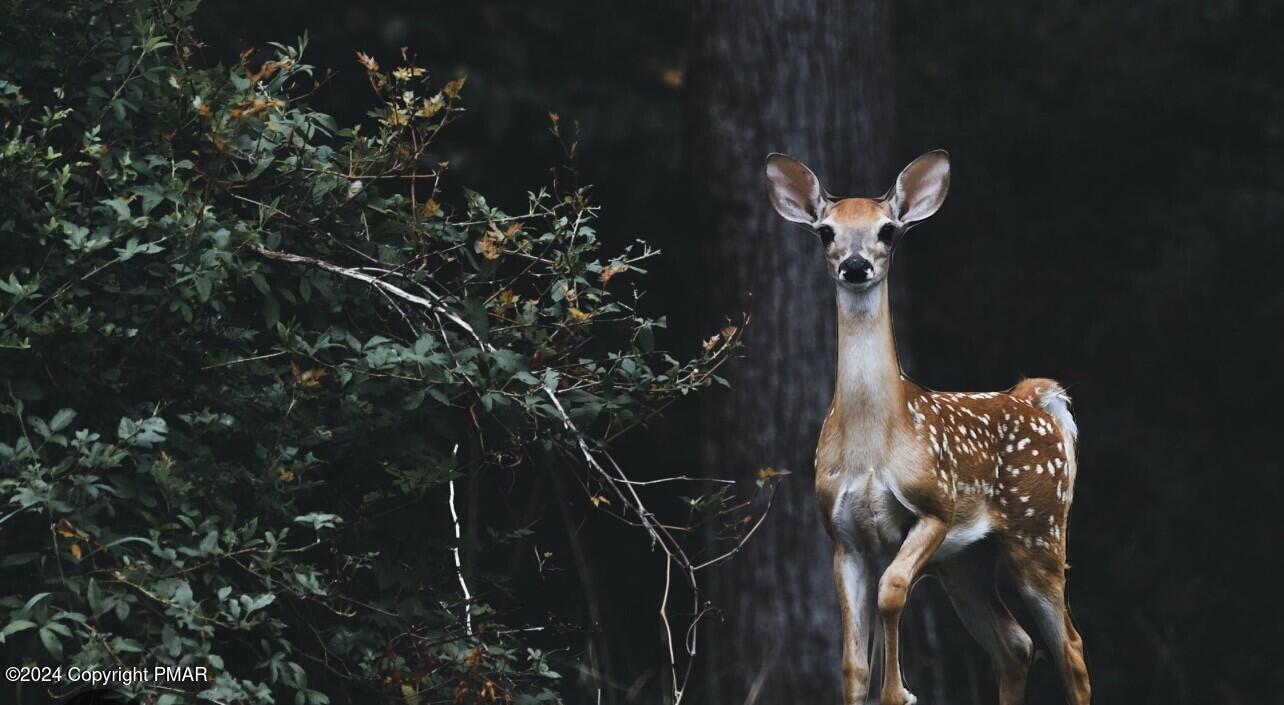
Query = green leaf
x=62 y=419
x=254 y=604
x=120 y=206
x=17 y=625
x=94 y=596
x=271 y=311
x=151 y=197
x=144 y=433
x=32 y=601
x=52 y=644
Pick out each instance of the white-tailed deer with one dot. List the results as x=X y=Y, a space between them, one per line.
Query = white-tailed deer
x=913 y=481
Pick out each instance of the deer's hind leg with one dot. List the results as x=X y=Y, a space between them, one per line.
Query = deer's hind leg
x=1042 y=582
x=970 y=581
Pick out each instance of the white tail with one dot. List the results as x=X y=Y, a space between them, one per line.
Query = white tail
x=913 y=481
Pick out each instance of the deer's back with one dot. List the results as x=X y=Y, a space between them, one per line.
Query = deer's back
x=1005 y=459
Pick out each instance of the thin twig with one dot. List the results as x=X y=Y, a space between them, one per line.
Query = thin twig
x=459 y=566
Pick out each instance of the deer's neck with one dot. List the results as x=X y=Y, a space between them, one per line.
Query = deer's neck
x=869 y=395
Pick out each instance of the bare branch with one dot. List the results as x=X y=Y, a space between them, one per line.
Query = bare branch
x=435 y=306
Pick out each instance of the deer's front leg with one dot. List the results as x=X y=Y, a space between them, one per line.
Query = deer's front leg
x=855 y=583
x=893 y=590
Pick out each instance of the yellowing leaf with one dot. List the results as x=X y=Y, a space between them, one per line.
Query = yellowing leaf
x=310 y=378
x=286 y=474
x=431 y=208
x=671 y=78
x=431 y=106
x=767 y=473
x=452 y=89
x=712 y=342
x=266 y=71
x=396 y=118
x=577 y=315
x=367 y=61
x=64 y=528
x=598 y=500
x=491 y=692
x=507 y=297
x=76 y=551
x=491 y=244
x=405 y=73
x=611 y=271
x=248 y=108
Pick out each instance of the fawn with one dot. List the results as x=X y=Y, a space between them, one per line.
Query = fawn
x=910 y=480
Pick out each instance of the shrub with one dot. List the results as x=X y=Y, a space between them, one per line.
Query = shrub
x=246 y=352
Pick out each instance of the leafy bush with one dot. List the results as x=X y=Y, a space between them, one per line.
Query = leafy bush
x=247 y=352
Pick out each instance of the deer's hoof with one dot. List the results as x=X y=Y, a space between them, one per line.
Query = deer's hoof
x=900 y=696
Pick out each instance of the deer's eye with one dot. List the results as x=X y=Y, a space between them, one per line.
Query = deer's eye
x=887 y=234
x=826 y=234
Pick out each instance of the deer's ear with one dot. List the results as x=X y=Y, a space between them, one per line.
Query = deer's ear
x=795 y=191
x=921 y=188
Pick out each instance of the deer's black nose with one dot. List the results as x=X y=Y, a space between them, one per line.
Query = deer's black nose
x=855 y=270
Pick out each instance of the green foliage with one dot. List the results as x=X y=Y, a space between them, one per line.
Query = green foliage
x=245 y=350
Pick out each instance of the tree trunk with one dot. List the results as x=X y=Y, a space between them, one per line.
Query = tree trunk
x=811 y=78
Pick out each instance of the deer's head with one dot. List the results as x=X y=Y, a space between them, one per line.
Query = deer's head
x=858 y=234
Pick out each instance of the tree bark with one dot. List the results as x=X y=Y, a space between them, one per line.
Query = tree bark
x=811 y=78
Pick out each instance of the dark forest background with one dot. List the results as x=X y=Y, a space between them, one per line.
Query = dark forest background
x=1114 y=222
